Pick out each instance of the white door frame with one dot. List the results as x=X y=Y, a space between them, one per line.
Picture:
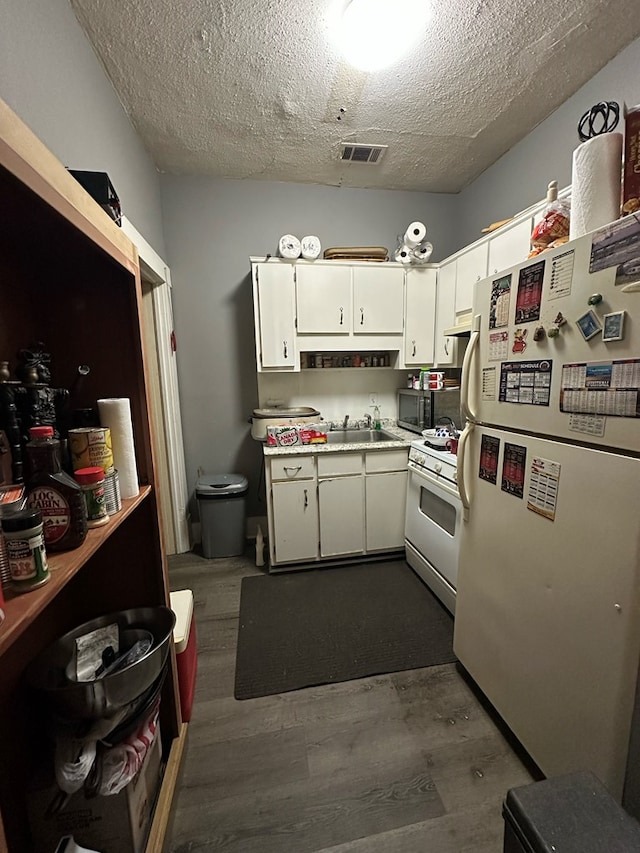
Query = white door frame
x=158 y=273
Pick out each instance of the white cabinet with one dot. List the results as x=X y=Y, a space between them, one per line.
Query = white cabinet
x=385 y=499
x=420 y=312
x=446 y=346
x=295 y=521
x=378 y=300
x=341 y=510
x=274 y=305
x=471 y=267
x=323 y=299
x=510 y=247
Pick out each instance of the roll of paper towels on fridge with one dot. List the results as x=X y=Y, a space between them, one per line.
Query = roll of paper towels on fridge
x=415 y=234
x=402 y=255
x=311 y=247
x=595 y=183
x=289 y=247
x=422 y=253
x=115 y=413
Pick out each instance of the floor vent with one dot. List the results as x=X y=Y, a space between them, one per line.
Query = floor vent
x=353 y=152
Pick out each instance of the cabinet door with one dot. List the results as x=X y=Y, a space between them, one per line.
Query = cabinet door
x=295 y=521
x=470 y=268
x=420 y=316
x=378 y=300
x=385 y=500
x=445 y=348
x=323 y=299
x=511 y=247
x=276 y=315
x=341 y=507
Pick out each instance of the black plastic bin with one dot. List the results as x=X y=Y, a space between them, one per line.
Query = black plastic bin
x=221 y=504
x=567 y=814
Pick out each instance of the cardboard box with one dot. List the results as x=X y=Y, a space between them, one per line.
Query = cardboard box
x=117 y=824
x=296 y=434
x=631 y=181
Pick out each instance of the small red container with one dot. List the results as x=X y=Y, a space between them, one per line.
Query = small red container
x=185 y=641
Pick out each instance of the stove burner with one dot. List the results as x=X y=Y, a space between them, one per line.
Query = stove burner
x=441 y=447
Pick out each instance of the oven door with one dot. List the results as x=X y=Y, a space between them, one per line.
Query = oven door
x=432 y=531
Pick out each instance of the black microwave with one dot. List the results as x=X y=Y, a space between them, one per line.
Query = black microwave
x=418 y=410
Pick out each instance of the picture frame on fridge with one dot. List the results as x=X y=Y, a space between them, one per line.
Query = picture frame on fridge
x=613 y=326
x=589 y=324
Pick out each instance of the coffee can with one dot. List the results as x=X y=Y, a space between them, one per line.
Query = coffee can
x=90 y=447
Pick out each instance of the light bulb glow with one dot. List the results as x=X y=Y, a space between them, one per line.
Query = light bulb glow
x=373 y=34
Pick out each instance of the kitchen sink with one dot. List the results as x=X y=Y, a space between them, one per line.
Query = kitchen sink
x=358 y=436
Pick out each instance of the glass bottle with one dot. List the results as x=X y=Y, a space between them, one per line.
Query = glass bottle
x=54 y=493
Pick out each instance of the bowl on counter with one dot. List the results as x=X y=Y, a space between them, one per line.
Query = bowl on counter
x=437 y=437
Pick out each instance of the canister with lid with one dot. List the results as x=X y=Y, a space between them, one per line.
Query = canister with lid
x=91 y=482
x=23 y=534
x=12 y=498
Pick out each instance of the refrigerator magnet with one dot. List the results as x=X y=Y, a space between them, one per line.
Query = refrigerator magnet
x=589 y=325
x=613 y=328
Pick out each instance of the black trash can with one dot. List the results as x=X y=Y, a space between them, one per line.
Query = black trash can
x=567 y=814
x=221 y=504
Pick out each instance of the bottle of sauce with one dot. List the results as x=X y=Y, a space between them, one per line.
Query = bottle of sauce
x=54 y=493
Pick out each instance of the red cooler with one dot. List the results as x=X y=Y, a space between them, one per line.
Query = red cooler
x=184 y=638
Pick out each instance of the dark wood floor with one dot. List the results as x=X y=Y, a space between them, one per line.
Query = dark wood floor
x=402 y=763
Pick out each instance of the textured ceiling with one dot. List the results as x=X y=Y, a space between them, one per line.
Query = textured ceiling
x=253 y=88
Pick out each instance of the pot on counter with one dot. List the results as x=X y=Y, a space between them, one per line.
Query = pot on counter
x=280 y=416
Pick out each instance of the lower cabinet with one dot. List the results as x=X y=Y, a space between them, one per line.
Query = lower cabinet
x=330 y=505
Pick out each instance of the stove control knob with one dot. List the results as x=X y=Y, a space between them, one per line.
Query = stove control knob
x=437 y=467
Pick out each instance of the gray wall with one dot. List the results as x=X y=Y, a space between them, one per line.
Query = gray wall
x=50 y=76
x=212 y=227
x=520 y=177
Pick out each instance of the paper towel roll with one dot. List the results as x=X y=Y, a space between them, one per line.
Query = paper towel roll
x=402 y=255
x=115 y=413
x=595 y=183
x=289 y=247
x=310 y=247
x=422 y=253
x=415 y=234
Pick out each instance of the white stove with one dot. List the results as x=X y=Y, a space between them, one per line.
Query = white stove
x=433 y=519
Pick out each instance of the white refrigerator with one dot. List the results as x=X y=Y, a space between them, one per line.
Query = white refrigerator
x=547 y=616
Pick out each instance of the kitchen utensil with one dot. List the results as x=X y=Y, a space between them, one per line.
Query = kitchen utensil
x=438 y=438
x=280 y=416
x=101 y=698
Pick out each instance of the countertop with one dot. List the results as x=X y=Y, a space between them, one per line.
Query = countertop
x=404 y=439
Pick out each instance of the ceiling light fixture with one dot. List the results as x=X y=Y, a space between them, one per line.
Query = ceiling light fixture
x=373 y=34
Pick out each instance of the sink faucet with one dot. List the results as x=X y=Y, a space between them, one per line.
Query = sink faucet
x=345 y=421
x=367 y=420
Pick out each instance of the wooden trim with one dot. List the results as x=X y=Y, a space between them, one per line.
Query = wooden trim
x=162 y=813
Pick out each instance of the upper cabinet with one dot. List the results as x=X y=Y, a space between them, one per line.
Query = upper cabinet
x=378 y=299
x=420 y=310
x=446 y=346
x=471 y=267
x=509 y=247
x=323 y=299
x=274 y=301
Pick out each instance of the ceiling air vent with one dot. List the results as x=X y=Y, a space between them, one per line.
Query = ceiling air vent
x=354 y=152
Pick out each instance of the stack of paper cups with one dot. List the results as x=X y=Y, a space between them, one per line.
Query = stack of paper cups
x=415 y=234
x=595 y=184
x=115 y=413
x=289 y=247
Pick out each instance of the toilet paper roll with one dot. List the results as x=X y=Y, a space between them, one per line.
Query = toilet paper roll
x=422 y=253
x=402 y=255
x=595 y=183
x=115 y=413
x=415 y=234
x=310 y=247
x=289 y=247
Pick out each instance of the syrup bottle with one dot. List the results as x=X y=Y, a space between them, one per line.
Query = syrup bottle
x=54 y=493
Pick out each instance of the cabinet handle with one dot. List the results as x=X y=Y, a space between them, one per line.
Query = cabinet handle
x=341 y=316
x=292 y=468
x=362 y=316
x=446 y=346
x=306 y=499
x=413 y=349
x=284 y=349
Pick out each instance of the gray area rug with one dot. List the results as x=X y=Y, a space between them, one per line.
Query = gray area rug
x=336 y=624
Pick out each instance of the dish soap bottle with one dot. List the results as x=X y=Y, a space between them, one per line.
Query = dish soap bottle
x=376 y=417
x=54 y=493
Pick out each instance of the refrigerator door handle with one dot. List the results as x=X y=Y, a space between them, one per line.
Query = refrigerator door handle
x=462 y=488
x=474 y=340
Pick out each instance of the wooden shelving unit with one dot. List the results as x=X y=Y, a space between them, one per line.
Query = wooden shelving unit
x=70 y=278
